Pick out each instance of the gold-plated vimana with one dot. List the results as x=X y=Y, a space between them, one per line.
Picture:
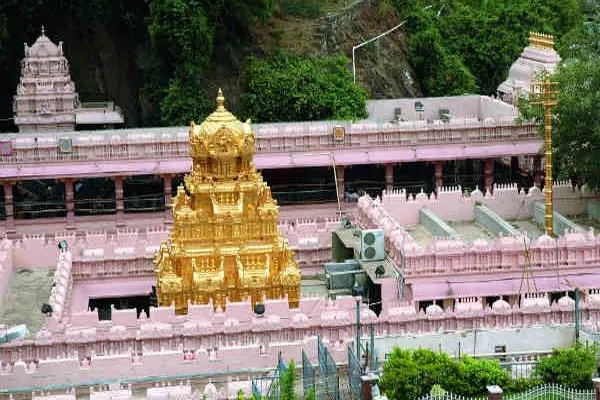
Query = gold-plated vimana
x=225 y=243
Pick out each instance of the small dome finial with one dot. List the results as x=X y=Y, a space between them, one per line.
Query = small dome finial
x=220 y=100
x=43 y=31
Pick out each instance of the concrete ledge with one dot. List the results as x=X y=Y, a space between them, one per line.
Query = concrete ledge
x=436 y=225
x=493 y=223
x=560 y=223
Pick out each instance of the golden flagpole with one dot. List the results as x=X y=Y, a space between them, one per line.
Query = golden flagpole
x=545 y=92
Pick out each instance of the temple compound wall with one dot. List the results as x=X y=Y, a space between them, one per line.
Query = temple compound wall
x=506 y=200
x=207 y=341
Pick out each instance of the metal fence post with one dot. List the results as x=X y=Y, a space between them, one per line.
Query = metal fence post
x=358 y=330
x=597 y=387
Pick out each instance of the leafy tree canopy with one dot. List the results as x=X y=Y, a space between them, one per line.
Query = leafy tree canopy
x=410 y=374
x=289 y=88
x=576 y=122
x=572 y=367
x=485 y=37
x=401 y=378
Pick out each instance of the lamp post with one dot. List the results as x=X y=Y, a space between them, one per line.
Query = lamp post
x=545 y=92
x=331 y=156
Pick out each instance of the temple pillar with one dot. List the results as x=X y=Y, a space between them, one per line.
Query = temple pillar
x=168 y=191
x=339 y=173
x=119 y=200
x=438 y=172
x=389 y=177
x=9 y=208
x=69 y=202
x=514 y=167
x=537 y=171
x=488 y=174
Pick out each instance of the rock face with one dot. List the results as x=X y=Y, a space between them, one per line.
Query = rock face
x=382 y=66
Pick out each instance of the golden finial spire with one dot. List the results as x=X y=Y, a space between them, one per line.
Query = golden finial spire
x=541 y=41
x=220 y=101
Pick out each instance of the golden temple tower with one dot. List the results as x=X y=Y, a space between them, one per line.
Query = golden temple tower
x=225 y=243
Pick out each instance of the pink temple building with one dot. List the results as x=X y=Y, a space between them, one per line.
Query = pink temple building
x=446 y=260
x=46 y=100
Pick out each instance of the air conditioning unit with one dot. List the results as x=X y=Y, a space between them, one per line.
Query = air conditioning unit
x=371 y=245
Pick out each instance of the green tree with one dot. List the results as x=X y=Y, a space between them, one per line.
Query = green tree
x=484 y=37
x=401 y=376
x=287 y=383
x=576 y=122
x=289 y=88
x=572 y=367
x=183 y=102
x=434 y=368
x=180 y=31
x=440 y=73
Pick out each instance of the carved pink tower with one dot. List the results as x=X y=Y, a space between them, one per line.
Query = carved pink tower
x=46 y=98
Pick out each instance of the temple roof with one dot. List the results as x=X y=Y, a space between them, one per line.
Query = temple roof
x=221 y=119
x=43 y=48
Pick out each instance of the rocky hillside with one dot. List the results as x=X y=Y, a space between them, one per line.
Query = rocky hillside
x=382 y=67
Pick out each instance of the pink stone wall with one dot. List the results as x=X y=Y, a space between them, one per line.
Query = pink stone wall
x=451 y=204
x=241 y=359
x=130 y=251
x=6 y=266
x=204 y=342
x=575 y=251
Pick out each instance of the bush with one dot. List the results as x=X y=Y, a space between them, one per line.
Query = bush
x=571 y=368
x=474 y=375
x=289 y=88
x=410 y=374
x=400 y=380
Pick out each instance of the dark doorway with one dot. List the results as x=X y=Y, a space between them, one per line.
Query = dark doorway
x=361 y=179
x=301 y=185
x=414 y=177
x=39 y=198
x=103 y=305
x=94 y=196
x=144 y=193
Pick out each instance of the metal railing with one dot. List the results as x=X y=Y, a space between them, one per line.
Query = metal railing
x=543 y=392
x=553 y=392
